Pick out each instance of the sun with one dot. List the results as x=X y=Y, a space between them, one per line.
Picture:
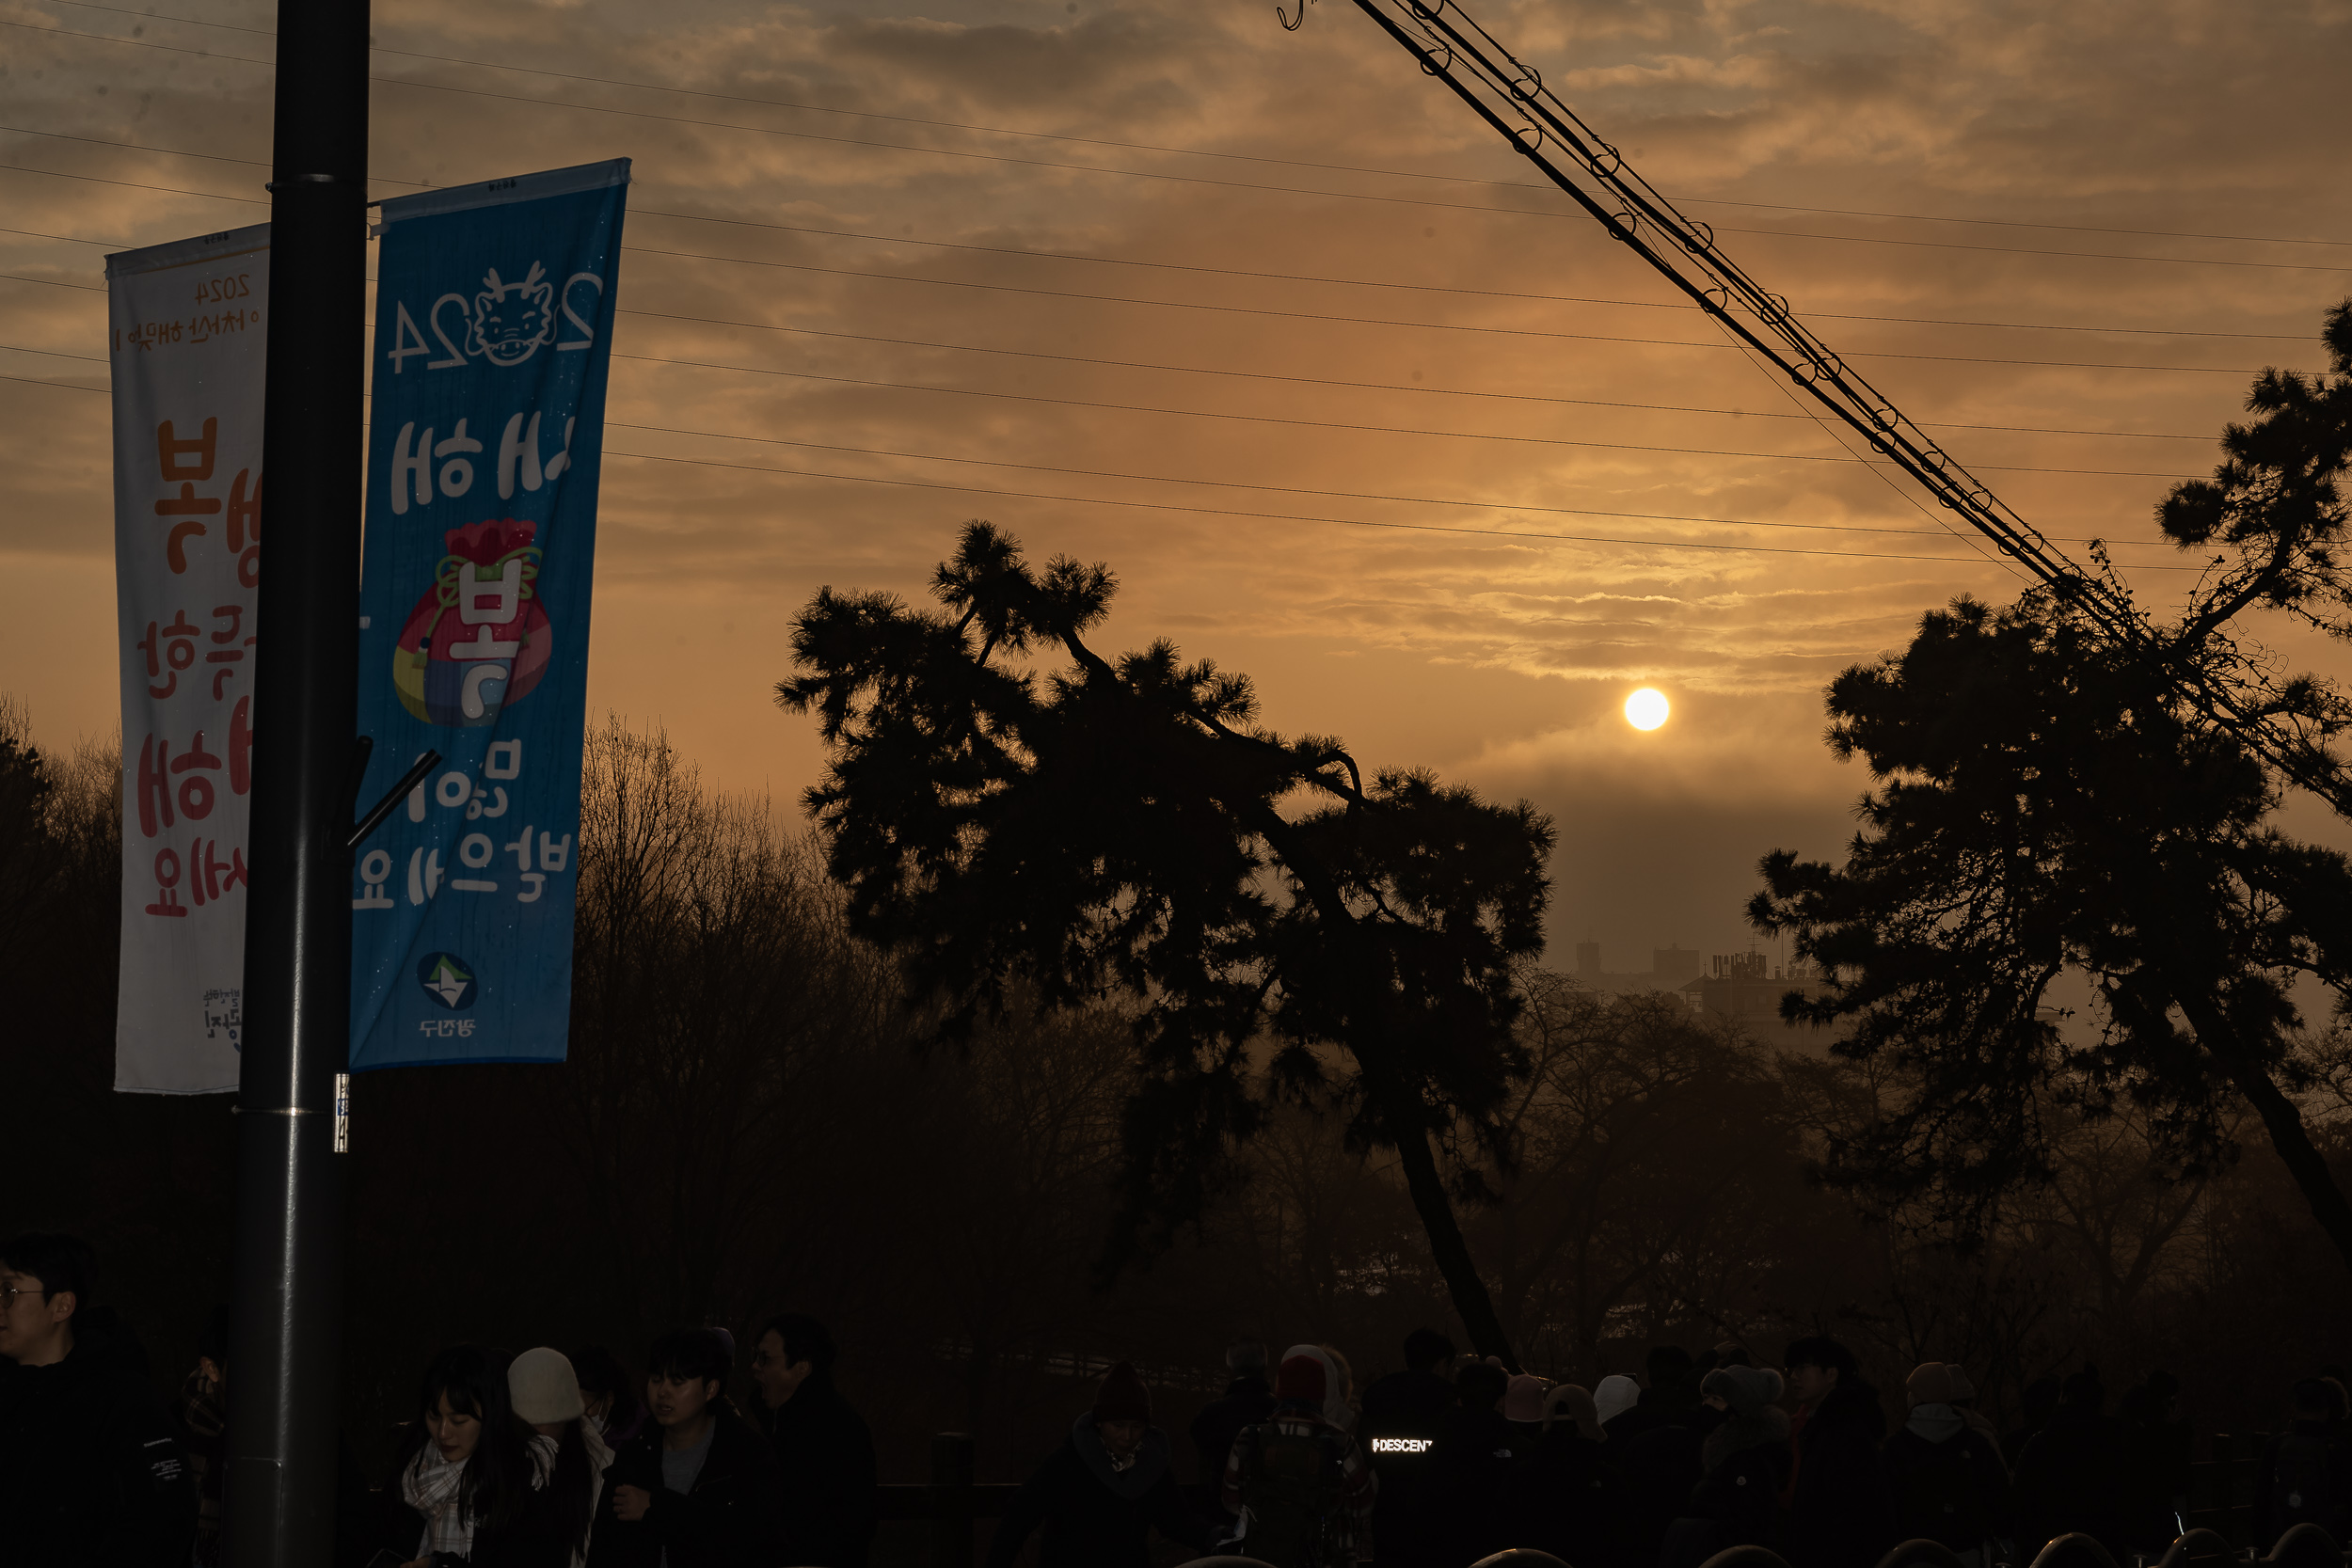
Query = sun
x=1646 y=708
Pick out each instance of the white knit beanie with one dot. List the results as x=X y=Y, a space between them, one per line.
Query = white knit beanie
x=1615 y=1397
x=542 y=1388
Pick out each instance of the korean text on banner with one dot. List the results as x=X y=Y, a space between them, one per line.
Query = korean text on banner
x=186 y=349
x=493 y=336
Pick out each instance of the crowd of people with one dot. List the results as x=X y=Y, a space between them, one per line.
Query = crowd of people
x=535 y=1460
x=548 y=1459
x=1448 y=1462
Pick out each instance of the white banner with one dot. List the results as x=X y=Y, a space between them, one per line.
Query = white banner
x=187 y=353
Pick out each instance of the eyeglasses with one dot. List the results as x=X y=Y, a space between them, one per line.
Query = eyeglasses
x=10 y=1292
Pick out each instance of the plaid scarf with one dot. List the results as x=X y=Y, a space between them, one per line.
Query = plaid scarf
x=430 y=1486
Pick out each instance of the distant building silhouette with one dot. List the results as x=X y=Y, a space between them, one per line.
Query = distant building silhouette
x=1746 y=988
x=1670 y=968
x=1674 y=965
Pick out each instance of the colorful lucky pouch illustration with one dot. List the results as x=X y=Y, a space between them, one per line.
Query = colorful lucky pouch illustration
x=478 y=639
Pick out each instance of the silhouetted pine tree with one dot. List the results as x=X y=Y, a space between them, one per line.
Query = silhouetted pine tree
x=1117 y=828
x=2050 y=802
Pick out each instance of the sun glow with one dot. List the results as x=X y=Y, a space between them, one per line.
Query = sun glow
x=1646 y=708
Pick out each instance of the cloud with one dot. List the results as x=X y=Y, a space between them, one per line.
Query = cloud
x=1343 y=398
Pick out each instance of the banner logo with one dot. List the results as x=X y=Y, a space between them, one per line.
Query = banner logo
x=511 y=320
x=447 y=980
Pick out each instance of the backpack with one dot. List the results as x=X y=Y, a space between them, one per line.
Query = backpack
x=2307 y=1483
x=1293 y=1486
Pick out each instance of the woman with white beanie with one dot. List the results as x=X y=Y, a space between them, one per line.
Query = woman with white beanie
x=1611 y=1398
x=544 y=1393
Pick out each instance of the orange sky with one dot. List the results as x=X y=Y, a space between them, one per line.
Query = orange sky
x=2145 y=193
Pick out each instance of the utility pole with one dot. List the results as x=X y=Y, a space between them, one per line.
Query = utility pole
x=283 y=1397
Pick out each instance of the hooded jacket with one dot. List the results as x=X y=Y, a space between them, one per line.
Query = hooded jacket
x=91 y=1469
x=1948 y=1478
x=825 y=1459
x=733 y=1518
x=1095 y=1516
x=1840 y=1512
x=1745 y=1465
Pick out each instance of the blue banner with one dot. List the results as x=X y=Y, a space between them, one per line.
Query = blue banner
x=493 y=338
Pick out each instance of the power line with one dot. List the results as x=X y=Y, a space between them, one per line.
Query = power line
x=85 y=287
x=1255 y=275
x=1152 y=506
x=1306 y=490
x=1307 y=424
x=1178 y=178
x=1369 y=386
x=1228 y=484
x=58 y=354
x=1975 y=545
x=1345 y=522
x=1153 y=479
x=1240 y=157
x=1444 y=288
x=1166 y=479
x=61 y=386
x=1258 y=375
x=1265 y=312
x=132 y=184
x=1391 y=321
x=69 y=239
x=1321 y=381
x=1283 y=517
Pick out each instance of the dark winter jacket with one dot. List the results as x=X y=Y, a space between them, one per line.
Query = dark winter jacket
x=1947 y=1479
x=2157 y=1451
x=1562 y=1496
x=1661 y=1465
x=1247 y=1400
x=1745 y=1464
x=1407 y=1410
x=1461 y=1496
x=733 y=1518
x=1095 y=1516
x=91 y=1471
x=825 y=1457
x=1839 y=1514
x=2069 y=1477
x=2307 y=1479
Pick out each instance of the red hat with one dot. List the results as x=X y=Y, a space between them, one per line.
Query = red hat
x=1123 y=1397
x=1300 y=1378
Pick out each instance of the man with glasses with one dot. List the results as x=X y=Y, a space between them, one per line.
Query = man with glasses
x=90 y=1469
